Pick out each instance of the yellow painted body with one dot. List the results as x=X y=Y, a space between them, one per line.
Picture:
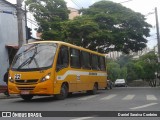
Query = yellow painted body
x=77 y=79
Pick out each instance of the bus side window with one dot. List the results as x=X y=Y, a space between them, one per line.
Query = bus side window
x=75 y=58
x=85 y=59
x=94 y=62
x=63 y=58
x=102 y=63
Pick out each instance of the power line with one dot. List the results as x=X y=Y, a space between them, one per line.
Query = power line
x=126 y=1
x=32 y=22
x=150 y=13
x=79 y=3
x=75 y=3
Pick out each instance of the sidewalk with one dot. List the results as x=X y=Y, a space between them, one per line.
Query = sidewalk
x=2 y=96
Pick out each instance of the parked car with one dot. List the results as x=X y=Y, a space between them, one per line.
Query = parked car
x=109 y=84
x=120 y=83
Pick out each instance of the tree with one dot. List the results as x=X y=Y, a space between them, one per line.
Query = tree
x=79 y=31
x=131 y=72
x=150 y=65
x=123 y=60
x=49 y=15
x=114 y=71
x=115 y=27
x=123 y=73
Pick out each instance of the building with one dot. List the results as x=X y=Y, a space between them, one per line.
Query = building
x=114 y=54
x=136 y=55
x=8 y=36
x=73 y=13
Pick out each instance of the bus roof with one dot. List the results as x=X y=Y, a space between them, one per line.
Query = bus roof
x=70 y=45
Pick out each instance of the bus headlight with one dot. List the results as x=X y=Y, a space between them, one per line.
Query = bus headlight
x=10 y=79
x=47 y=77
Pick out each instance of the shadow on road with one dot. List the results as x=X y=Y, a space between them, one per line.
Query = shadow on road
x=53 y=99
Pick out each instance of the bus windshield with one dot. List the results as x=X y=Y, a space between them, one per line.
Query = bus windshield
x=36 y=56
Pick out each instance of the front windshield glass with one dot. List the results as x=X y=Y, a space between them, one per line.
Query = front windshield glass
x=34 y=56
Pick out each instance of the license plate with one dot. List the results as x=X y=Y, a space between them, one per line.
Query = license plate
x=24 y=92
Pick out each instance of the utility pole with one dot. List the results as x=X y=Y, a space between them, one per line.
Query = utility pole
x=19 y=20
x=26 y=24
x=158 y=37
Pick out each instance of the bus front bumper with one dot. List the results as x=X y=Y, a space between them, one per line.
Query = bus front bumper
x=35 y=89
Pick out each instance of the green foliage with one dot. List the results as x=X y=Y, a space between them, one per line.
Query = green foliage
x=150 y=65
x=134 y=71
x=123 y=60
x=114 y=71
x=102 y=27
x=115 y=27
x=123 y=73
x=79 y=31
x=49 y=14
x=144 y=68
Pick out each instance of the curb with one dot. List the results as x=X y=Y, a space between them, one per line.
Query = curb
x=2 y=96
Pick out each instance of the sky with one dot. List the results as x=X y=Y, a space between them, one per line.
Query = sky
x=145 y=7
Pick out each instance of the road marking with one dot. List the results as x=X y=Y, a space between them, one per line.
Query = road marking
x=108 y=97
x=82 y=118
x=88 y=97
x=143 y=106
x=151 y=97
x=128 y=97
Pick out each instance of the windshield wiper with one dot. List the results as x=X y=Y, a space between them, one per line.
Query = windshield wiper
x=25 y=62
x=28 y=61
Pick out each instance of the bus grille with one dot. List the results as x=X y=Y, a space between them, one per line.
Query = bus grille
x=26 y=88
x=32 y=81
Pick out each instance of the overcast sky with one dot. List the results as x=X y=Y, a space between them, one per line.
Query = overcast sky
x=142 y=6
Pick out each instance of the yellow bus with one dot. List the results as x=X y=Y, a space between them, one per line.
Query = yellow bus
x=56 y=68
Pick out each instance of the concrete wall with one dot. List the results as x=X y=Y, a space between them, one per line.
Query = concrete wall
x=8 y=35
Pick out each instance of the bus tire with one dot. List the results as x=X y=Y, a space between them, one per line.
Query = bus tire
x=70 y=94
x=94 y=91
x=63 y=93
x=26 y=97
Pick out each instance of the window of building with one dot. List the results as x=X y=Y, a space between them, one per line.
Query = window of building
x=75 y=58
x=85 y=60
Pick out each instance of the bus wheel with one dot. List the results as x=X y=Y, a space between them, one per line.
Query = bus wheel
x=94 y=91
x=70 y=94
x=26 y=97
x=63 y=93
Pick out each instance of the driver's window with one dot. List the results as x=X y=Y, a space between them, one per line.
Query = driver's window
x=63 y=58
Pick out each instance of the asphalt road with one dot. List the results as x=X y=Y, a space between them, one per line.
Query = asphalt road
x=117 y=99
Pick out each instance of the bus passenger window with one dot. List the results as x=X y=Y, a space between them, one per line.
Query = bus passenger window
x=95 y=62
x=85 y=60
x=63 y=58
x=75 y=58
x=102 y=63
